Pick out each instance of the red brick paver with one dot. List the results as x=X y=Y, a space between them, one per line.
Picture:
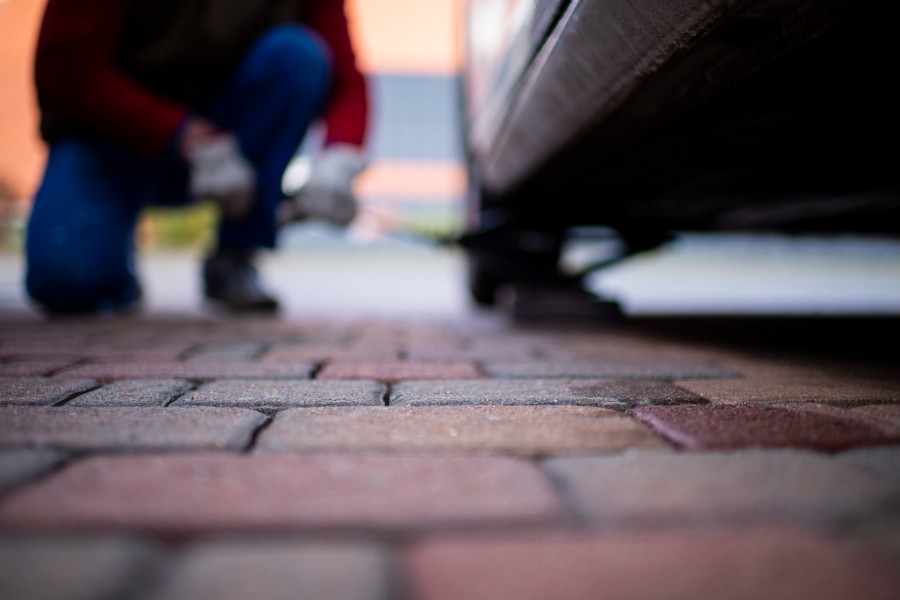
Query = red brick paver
x=677 y=565
x=739 y=426
x=217 y=492
x=837 y=391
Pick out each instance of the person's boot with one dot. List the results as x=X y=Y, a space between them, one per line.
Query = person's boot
x=230 y=279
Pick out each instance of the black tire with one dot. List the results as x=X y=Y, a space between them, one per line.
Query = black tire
x=483 y=284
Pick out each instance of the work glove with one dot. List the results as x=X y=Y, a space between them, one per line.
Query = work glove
x=219 y=172
x=322 y=186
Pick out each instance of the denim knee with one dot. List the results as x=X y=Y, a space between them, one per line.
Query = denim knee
x=293 y=59
x=61 y=282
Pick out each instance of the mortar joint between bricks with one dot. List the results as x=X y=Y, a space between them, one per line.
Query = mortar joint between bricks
x=258 y=432
x=74 y=395
x=261 y=351
x=64 y=368
x=317 y=368
x=388 y=390
x=192 y=386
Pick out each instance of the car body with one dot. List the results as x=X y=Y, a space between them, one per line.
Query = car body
x=650 y=117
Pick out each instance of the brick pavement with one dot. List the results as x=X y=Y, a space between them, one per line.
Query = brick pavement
x=187 y=457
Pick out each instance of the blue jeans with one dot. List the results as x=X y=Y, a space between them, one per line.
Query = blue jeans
x=80 y=236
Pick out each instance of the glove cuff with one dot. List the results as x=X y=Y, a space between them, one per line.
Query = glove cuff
x=348 y=157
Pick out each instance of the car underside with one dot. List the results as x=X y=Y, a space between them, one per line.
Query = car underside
x=651 y=118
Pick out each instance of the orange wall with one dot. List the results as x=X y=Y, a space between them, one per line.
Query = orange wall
x=406 y=36
x=398 y=36
x=21 y=151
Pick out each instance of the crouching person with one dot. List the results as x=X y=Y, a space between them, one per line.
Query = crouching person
x=166 y=102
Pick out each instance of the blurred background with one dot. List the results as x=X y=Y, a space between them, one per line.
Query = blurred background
x=407 y=47
x=411 y=52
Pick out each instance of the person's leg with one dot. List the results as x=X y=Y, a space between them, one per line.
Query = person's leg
x=270 y=103
x=80 y=233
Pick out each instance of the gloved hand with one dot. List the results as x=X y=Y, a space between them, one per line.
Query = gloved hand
x=219 y=172
x=326 y=187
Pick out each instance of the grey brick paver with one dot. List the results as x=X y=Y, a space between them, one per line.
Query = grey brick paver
x=394 y=371
x=317 y=353
x=17 y=466
x=133 y=392
x=42 y=390
x=75 y=568
x=740 y=487
x=585 y=392
x=883 y=462
x=279 y=570
x=666 y=370
x=127 y=428
x=282 y=394
x=226 y=352
x=526 y=430
x=34 y=367
x=189 y=370
x=204 y=493
x=676 y=565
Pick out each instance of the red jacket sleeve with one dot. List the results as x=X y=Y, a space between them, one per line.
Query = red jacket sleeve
x=77 y=77
x=346 y=116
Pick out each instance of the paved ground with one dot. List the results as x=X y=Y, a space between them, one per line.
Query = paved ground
x=381 y=439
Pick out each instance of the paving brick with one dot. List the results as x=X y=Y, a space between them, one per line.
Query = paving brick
x=886 y=413
x=17 y=466
x=495 y=348
x=880 y=538
x=609 y=369
x=723 y=426
x=658 y=488
x=281 y=394
x=609 y=346
x=883 y=462
x=34 y=367
x=790 y=368
x=839 y=392
x=189 y=370
x=75 y=568
x=196 y=493
x=226 y=352
x=133 y=392
x=127 y=428
x=42 y=390
x=279 y=570
x=585 y=392
x=317 y=353
x=733 y=565
x=526 y=430
x=399 y=371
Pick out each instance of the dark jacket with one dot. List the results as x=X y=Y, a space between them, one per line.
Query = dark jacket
x=132 y=70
